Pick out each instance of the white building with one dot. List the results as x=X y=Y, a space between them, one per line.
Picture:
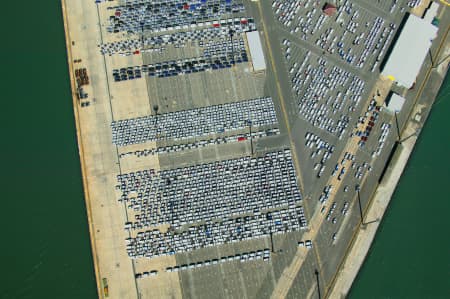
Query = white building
x=395 y=103
x=410 y=51
x=256 y=51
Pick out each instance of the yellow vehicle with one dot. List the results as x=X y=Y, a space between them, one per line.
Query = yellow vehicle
x=105 y=287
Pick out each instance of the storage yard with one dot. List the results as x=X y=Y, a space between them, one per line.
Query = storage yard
x=229 y=148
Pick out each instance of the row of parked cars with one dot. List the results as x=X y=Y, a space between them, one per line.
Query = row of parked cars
x=197 y=122
x=286 y=10
x=369 y=120
x=321 y=151
x=201 y=143
x=218 y=48
x=179 y=38
x=385 y=129
x=326 y=94
x=215 y=190
x=166 y=15
x=354 y=34
x=185 y=66
x=261 y=254
x=153 y=243
x=308 y=244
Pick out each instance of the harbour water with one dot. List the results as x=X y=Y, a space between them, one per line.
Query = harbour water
x=45 y=247
x=45 y=242
x=410 y=255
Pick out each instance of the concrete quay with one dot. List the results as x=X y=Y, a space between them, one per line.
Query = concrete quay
x=292 y=271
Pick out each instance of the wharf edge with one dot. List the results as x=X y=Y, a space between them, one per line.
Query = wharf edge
x=80 y=148
x=331 y=287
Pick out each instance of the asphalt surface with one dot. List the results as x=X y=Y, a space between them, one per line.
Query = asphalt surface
x=258 y=279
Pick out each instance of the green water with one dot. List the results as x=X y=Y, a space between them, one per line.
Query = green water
x=410 y=258
x=45 y=248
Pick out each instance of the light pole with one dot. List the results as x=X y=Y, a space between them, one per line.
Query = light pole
x=272 y=246
x=249 y=122
x=231 y=32
x=435 y=65
x=155 y=108
x=398 y=129
x=271 y=241
x=316 y=272
x=357 y=188
x=142 y=33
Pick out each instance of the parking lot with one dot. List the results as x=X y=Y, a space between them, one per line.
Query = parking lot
x=247 y=162
x=331 y=98
x=355 y=34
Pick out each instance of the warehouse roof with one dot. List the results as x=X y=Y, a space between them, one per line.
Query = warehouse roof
x=256 y=52
x=410 y=50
